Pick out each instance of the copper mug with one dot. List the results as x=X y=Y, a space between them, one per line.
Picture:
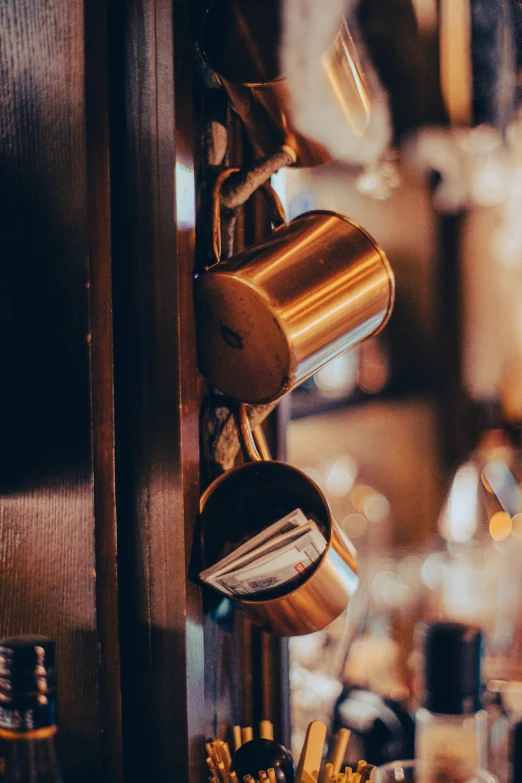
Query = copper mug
x=246 y=499
x=273 y=315
x=240 y=42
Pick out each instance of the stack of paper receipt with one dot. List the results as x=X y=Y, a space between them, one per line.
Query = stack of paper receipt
x=282 y=552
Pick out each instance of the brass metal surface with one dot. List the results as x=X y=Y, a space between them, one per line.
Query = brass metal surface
x=273 y=315
x=240 y=41
x=253 y=443
x=317 y=602
x=254 y=495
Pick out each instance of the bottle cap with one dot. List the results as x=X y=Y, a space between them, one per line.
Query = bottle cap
x=27 y=683
x=452 y=661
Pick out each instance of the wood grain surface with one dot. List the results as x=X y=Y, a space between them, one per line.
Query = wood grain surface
x=156 y=385
x=47 y=532
x=97 y=112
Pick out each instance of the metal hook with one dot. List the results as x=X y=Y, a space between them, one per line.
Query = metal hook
x=216 y=211
x=253 y=443
x=249 y=181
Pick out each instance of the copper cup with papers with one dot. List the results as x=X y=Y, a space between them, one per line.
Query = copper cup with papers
x=271 y=544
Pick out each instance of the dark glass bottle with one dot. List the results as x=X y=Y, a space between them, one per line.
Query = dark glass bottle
x=28 y=711
x=451 y=724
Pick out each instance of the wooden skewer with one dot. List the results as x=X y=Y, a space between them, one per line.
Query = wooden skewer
x=364 y=770
x=271 y=775
x=356 y=778
x=262 y=775
x=366 y=773
x=225 y=754
x=213 y=752
x=223 y=774
x=328 y=772
x=348 y=774
x=311 y=754
x=210 y=763
x=247 y=734
x=341 y=743
x=248 y=779
x=266 y=730
x=236 y=731
x=233 y=777
x=213 y=778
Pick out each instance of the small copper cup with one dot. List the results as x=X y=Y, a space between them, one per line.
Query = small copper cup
x=240 y=41
x=246 y=499
x=276 y=313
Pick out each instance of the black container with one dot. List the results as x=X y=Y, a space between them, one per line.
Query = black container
x=382 y=729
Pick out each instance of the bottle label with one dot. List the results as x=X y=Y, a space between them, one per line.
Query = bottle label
x=35 y=734
x=463 y=739
x=28 y=713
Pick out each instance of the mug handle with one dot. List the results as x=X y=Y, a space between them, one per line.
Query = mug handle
x=253 y=441
x=278 y=218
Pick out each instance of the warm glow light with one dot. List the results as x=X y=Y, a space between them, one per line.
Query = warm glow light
x=360 y=495
x=341 y=476
x=434 y=570
x=500 y=525
x=339 y=376
x=376 y=507
x=354 y=525
x=517 y=525
x=466 y=593
x=459 y=519
x=455 y=60
x=185 y=196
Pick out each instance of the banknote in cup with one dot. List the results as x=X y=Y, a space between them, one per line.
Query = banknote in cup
x=280 y=556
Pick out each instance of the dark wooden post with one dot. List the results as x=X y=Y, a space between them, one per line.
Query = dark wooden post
x=57 y=518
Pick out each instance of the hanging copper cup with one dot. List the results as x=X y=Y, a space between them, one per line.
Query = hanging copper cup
x=245 y=500
x=273 y=315
x=240 y=41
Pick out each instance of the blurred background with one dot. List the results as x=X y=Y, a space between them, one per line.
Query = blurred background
x=414 y=436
